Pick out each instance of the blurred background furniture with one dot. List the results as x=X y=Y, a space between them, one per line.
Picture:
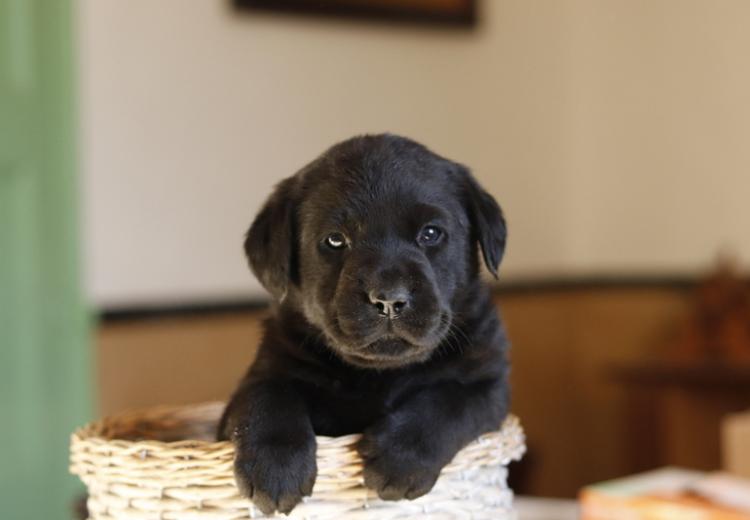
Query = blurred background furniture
x=679 y=399
x=735 y=444
x=533 y=508
x=676 y=411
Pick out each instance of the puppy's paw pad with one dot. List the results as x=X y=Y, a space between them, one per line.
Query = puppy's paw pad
x=396 y=471
x=276 y=477
x=397 y=482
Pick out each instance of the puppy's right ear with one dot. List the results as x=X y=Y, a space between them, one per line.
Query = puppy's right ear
x=270 y=243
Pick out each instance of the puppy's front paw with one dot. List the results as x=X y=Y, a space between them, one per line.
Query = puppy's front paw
x=276 y=475
x=397 y=469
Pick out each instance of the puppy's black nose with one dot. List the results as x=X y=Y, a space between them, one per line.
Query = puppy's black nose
x=390 y=303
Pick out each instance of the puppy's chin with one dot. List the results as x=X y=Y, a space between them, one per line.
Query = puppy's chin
x=388 y=352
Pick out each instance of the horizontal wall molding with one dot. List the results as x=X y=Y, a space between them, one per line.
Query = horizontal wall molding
x=538 y=285
x=180 y=310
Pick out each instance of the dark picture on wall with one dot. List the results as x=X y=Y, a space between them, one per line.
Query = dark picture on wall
x=447 y=12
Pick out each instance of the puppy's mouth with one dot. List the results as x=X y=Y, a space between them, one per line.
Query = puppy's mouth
x=385 y=348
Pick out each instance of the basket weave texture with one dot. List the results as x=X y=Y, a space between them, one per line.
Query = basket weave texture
x=139 y=465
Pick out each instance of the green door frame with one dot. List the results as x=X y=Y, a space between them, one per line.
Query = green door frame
x=45 y=356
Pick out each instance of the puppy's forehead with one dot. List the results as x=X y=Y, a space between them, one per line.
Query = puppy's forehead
x=384 y=192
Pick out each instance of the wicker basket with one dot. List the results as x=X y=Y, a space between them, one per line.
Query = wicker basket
x=139 y=466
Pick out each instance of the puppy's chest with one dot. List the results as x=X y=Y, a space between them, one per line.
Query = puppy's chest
x=339 y=406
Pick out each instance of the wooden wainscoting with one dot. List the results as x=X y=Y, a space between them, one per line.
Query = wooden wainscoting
x=174 y=359
x=577 y=416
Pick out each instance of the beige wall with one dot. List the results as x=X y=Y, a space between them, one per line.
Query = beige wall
x=614 y=133
x=658 y=127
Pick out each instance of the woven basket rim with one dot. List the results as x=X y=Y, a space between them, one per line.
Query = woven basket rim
x=88 y=432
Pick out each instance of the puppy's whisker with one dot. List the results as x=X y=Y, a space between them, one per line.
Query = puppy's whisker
x=449 y=346
x=457 y=330
x=455 y=338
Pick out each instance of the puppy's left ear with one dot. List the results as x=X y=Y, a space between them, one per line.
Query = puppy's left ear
x=486 y=220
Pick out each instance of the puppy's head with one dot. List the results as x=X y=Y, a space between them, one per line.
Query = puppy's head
x=375 y=242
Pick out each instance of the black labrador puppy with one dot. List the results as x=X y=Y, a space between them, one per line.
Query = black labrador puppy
x=382 y=323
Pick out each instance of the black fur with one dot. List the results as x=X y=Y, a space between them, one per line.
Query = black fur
x=420 y=383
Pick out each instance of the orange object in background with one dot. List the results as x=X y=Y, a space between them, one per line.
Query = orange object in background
x=668 y=494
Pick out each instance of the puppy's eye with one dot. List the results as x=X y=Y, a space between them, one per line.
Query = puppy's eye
x=430 y=235
x=336 y=241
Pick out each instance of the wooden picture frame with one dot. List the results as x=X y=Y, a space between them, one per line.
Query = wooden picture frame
x=459 y=13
